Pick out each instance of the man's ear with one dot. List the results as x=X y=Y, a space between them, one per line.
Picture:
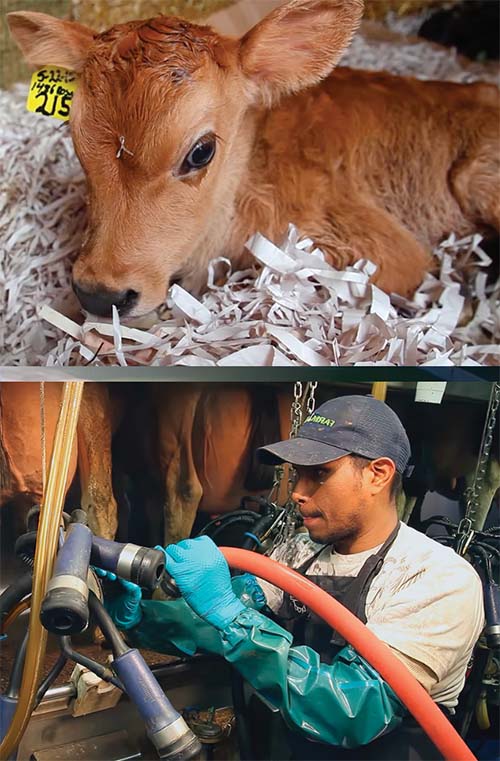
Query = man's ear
x=382 y=472
x=298 y=45
x=48 y=41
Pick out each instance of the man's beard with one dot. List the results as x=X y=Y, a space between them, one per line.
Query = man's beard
x=336 y=535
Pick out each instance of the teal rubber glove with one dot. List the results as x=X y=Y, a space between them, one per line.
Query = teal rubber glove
x=172 y=627
x=249 y=591
x=124 y=607
x=245 y=586
x=202 y=574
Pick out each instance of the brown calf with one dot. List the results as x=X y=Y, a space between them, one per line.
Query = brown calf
x=191 y=142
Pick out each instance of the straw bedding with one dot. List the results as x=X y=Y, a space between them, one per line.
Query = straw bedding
x=101 y=14
x=291 y=308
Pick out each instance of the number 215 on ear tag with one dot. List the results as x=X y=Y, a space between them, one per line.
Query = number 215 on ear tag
x=51 y=92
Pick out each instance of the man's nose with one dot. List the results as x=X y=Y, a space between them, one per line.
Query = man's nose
x=298 y=495
x=99 y=300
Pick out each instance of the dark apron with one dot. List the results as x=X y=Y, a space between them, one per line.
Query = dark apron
x=406 y=743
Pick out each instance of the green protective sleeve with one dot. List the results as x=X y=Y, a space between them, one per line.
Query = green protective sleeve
x=344 y=703
x=172 y=627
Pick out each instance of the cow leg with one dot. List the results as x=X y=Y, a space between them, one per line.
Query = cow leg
x=176 y=408
x=356 y=230
x=21 y=437
x=94 y=460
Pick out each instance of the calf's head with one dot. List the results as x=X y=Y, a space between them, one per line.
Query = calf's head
x=160 y=123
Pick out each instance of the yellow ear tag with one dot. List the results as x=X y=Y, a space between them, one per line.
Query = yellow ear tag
x=51 y=92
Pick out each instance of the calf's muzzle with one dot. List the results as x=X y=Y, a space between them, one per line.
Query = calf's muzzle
x=99 y=301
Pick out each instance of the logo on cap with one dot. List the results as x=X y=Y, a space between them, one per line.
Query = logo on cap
x=320 y=419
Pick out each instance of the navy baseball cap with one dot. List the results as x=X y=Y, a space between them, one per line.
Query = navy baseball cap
x=347 y=425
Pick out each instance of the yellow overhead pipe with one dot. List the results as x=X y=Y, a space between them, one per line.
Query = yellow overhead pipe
x=379 y=390
x=481 y=711
x=45 y=553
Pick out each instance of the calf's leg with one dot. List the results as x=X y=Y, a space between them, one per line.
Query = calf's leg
x=354 y=229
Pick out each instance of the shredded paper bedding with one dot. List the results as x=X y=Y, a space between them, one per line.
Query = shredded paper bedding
x=290 y=308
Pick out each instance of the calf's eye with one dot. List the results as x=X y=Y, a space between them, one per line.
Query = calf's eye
x=200 y=155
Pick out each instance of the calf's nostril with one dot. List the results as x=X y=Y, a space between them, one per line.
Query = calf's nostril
x=99 y=301
x=128 y=300
x=176 y=279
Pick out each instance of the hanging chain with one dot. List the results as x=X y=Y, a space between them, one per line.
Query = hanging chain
x=296 y=410
x=474 y=491
x=465 y=531
x=274 y=494
x=311 y=400
x=302 y=399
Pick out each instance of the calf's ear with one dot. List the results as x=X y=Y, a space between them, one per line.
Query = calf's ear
x=297 y=45
x=48 y=41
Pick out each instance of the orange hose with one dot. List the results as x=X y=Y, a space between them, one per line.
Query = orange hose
x=15 y=612
x=373 y=650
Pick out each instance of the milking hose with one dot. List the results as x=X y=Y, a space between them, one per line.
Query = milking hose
x=374 y=651
x=45 y=553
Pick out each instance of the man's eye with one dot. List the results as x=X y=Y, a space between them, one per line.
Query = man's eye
x=200 y=155
x=320 y=474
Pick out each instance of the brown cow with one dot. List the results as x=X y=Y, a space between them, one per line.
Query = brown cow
x=192 y=446
x=192 y=141
x=217 y=436
x=201 y=447
x=21 y=450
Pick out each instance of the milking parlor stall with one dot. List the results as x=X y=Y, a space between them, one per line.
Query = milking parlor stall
x=103 y=475
x=304 y=183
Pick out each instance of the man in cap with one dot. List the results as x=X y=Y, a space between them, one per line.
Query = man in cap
x=419 y=597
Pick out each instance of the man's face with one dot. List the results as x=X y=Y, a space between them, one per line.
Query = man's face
x=332 y=499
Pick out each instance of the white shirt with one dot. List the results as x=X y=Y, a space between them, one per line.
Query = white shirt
x=426 y=602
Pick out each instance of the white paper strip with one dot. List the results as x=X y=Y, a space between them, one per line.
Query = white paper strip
x=261 y=356
x=293 y=344
x=188 y=305
x=60 y=321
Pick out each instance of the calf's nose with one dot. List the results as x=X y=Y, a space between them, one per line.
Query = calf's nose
x=99 y=301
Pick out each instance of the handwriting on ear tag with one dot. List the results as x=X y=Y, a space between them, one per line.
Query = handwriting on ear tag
x=51 y=92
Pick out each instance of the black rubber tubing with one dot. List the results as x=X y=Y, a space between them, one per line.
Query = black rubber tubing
x=15 y=593
x=107 y=626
